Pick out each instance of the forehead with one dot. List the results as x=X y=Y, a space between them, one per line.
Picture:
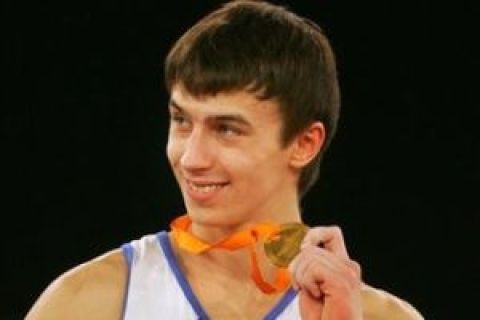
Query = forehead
x=241 y=103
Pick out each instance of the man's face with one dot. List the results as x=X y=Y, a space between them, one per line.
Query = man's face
x=226 y=154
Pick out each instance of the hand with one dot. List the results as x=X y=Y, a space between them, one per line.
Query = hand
x=328 y=280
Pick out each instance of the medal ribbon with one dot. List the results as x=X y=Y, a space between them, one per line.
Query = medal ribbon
x=242 y=239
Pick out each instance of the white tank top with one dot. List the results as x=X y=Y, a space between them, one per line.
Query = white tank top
x=157 y=288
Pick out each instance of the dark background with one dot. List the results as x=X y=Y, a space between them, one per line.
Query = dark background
x=84 y=126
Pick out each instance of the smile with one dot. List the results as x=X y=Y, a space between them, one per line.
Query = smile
x=204 y=188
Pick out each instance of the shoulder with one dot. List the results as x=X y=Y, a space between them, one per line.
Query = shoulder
x=379 y=304
x=92 y=290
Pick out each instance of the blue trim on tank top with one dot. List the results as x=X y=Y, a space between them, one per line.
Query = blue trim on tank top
x=282 y=304
x=190 y=295
x=173 y=263
x=127 y=250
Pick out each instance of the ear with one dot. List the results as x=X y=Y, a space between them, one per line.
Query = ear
x=307 y=145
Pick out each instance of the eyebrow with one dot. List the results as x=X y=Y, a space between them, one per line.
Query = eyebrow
x=234 y=117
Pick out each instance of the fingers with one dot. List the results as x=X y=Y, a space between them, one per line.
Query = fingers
x=321 y=272
x=303 y=276
x=331 y=238
x=326 y=269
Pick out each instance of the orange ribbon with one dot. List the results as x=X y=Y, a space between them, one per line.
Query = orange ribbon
x=245 y=238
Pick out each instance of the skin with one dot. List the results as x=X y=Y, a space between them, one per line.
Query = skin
x=93 y=290
x=328 y=280
x=226 y=154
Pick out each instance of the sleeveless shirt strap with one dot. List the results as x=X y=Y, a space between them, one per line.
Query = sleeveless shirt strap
x=128 y=252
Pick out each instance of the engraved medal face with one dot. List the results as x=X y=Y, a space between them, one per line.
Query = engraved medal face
x=281 y=249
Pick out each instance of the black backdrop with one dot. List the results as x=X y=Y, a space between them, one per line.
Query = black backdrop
x=84 y=126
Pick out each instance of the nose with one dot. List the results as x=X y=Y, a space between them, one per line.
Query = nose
x=197 y=154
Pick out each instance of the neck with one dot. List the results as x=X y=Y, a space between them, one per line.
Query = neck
x=236 y=263
x=229 y=292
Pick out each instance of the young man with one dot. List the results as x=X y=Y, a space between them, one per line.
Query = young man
x=254 y=104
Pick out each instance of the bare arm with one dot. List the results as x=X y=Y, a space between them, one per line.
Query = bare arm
x=379 y=304
x=93 y=290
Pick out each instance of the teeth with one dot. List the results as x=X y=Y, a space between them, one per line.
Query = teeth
x=204 y=188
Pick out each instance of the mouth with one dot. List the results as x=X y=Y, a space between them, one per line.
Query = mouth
x=204 y=190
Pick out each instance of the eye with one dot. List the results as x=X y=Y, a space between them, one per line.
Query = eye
x=177 y=118
x=180 y=121
x=228 y=130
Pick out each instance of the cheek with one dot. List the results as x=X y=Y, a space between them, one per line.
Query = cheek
x=247 y=167
x=174 y=150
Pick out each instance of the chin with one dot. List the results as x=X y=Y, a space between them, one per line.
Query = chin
x=213 y=217
x=204 y=215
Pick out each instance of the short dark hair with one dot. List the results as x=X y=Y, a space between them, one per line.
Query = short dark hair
x=270 y=52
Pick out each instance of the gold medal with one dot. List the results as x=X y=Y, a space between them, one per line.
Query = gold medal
x=282 y=248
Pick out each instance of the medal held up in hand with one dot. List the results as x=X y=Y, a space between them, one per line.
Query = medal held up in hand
x=285 y=245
